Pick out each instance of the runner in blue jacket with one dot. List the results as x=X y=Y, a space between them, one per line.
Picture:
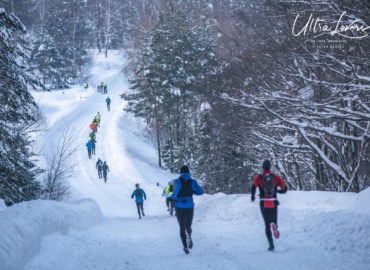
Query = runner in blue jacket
x=89 y=146
x=183 y=196
x=140 y=196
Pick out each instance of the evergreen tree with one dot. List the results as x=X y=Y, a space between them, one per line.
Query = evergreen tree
x=205 y=139
x=17 y=115
x=174 y=65
x=46 y=58
x=68 y=24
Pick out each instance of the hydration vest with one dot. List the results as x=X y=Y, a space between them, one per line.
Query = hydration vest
x=268 y=184
x=186 y=189
x=138 y=193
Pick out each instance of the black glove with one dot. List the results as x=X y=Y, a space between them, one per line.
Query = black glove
x=253 y=191
x=282 y=190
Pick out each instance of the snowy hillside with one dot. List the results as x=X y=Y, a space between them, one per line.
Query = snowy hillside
x=99 y=228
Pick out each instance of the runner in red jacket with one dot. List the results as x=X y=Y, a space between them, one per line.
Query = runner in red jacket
x=268 y=183
x=93 y=127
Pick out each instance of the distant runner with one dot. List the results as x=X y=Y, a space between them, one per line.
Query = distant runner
x=108 y=103
x=89 y=146
x=99 y=166
x=93 y=141
x=105 y=171
x=170 y=202
x=140 y=196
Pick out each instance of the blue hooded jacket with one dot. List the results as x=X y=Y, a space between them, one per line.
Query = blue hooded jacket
x=186 y=202
x=89 y=145
x=139 y=199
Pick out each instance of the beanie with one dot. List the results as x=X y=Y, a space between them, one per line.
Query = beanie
x=184 y=169
x=266 y=165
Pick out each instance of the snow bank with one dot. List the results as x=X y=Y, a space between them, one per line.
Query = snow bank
x=234 y=207
x=222 y=207
x=362 y=202
x=319 y=200
x=23 y=226
x=2 y=204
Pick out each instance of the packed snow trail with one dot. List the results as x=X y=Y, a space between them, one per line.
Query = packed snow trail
x=319 y=230
x=130 y=159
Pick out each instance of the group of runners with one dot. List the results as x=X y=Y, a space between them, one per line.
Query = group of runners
x=101 y=166
x=92 y=135
x=179 y=201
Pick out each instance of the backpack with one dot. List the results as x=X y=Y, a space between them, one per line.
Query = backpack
x=138 y=193
x=186 y=188
x=171 y=188
x=268 y=184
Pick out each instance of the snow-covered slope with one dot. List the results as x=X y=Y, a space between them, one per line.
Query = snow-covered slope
x=23 y=226
x=131 y=158
x=319 y=230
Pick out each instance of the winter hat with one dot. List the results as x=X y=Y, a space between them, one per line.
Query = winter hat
x=266 y=165
x=137 y=185
x=184 y=169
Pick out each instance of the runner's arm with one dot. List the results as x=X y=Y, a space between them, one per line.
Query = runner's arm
x=196 y=188
x=144 y=194
x=254 y=187
x=281 y=184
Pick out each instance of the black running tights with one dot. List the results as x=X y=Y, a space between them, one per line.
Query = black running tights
x=140 y=206
x=184 y=218
x=269 y=215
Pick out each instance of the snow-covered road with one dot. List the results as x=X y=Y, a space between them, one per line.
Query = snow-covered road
x=119 y=141
x=319 y=230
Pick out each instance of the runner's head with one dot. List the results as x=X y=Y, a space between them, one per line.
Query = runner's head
x=266 y=165
x=184 y=169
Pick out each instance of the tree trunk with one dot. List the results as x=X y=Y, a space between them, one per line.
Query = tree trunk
x=107 y=27
x=74 y=37
x=299 y=182
x=99 y=25
x=158 y=143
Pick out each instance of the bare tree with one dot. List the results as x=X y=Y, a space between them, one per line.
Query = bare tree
x=107 y=26
x=56 y=186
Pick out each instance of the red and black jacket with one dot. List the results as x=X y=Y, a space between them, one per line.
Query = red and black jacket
x=268 y=201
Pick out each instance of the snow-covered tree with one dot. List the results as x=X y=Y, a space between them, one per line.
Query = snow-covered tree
x=46 y=59
x=175 y=63
x=206 y=160
x=18 y=113
x=310 y=102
